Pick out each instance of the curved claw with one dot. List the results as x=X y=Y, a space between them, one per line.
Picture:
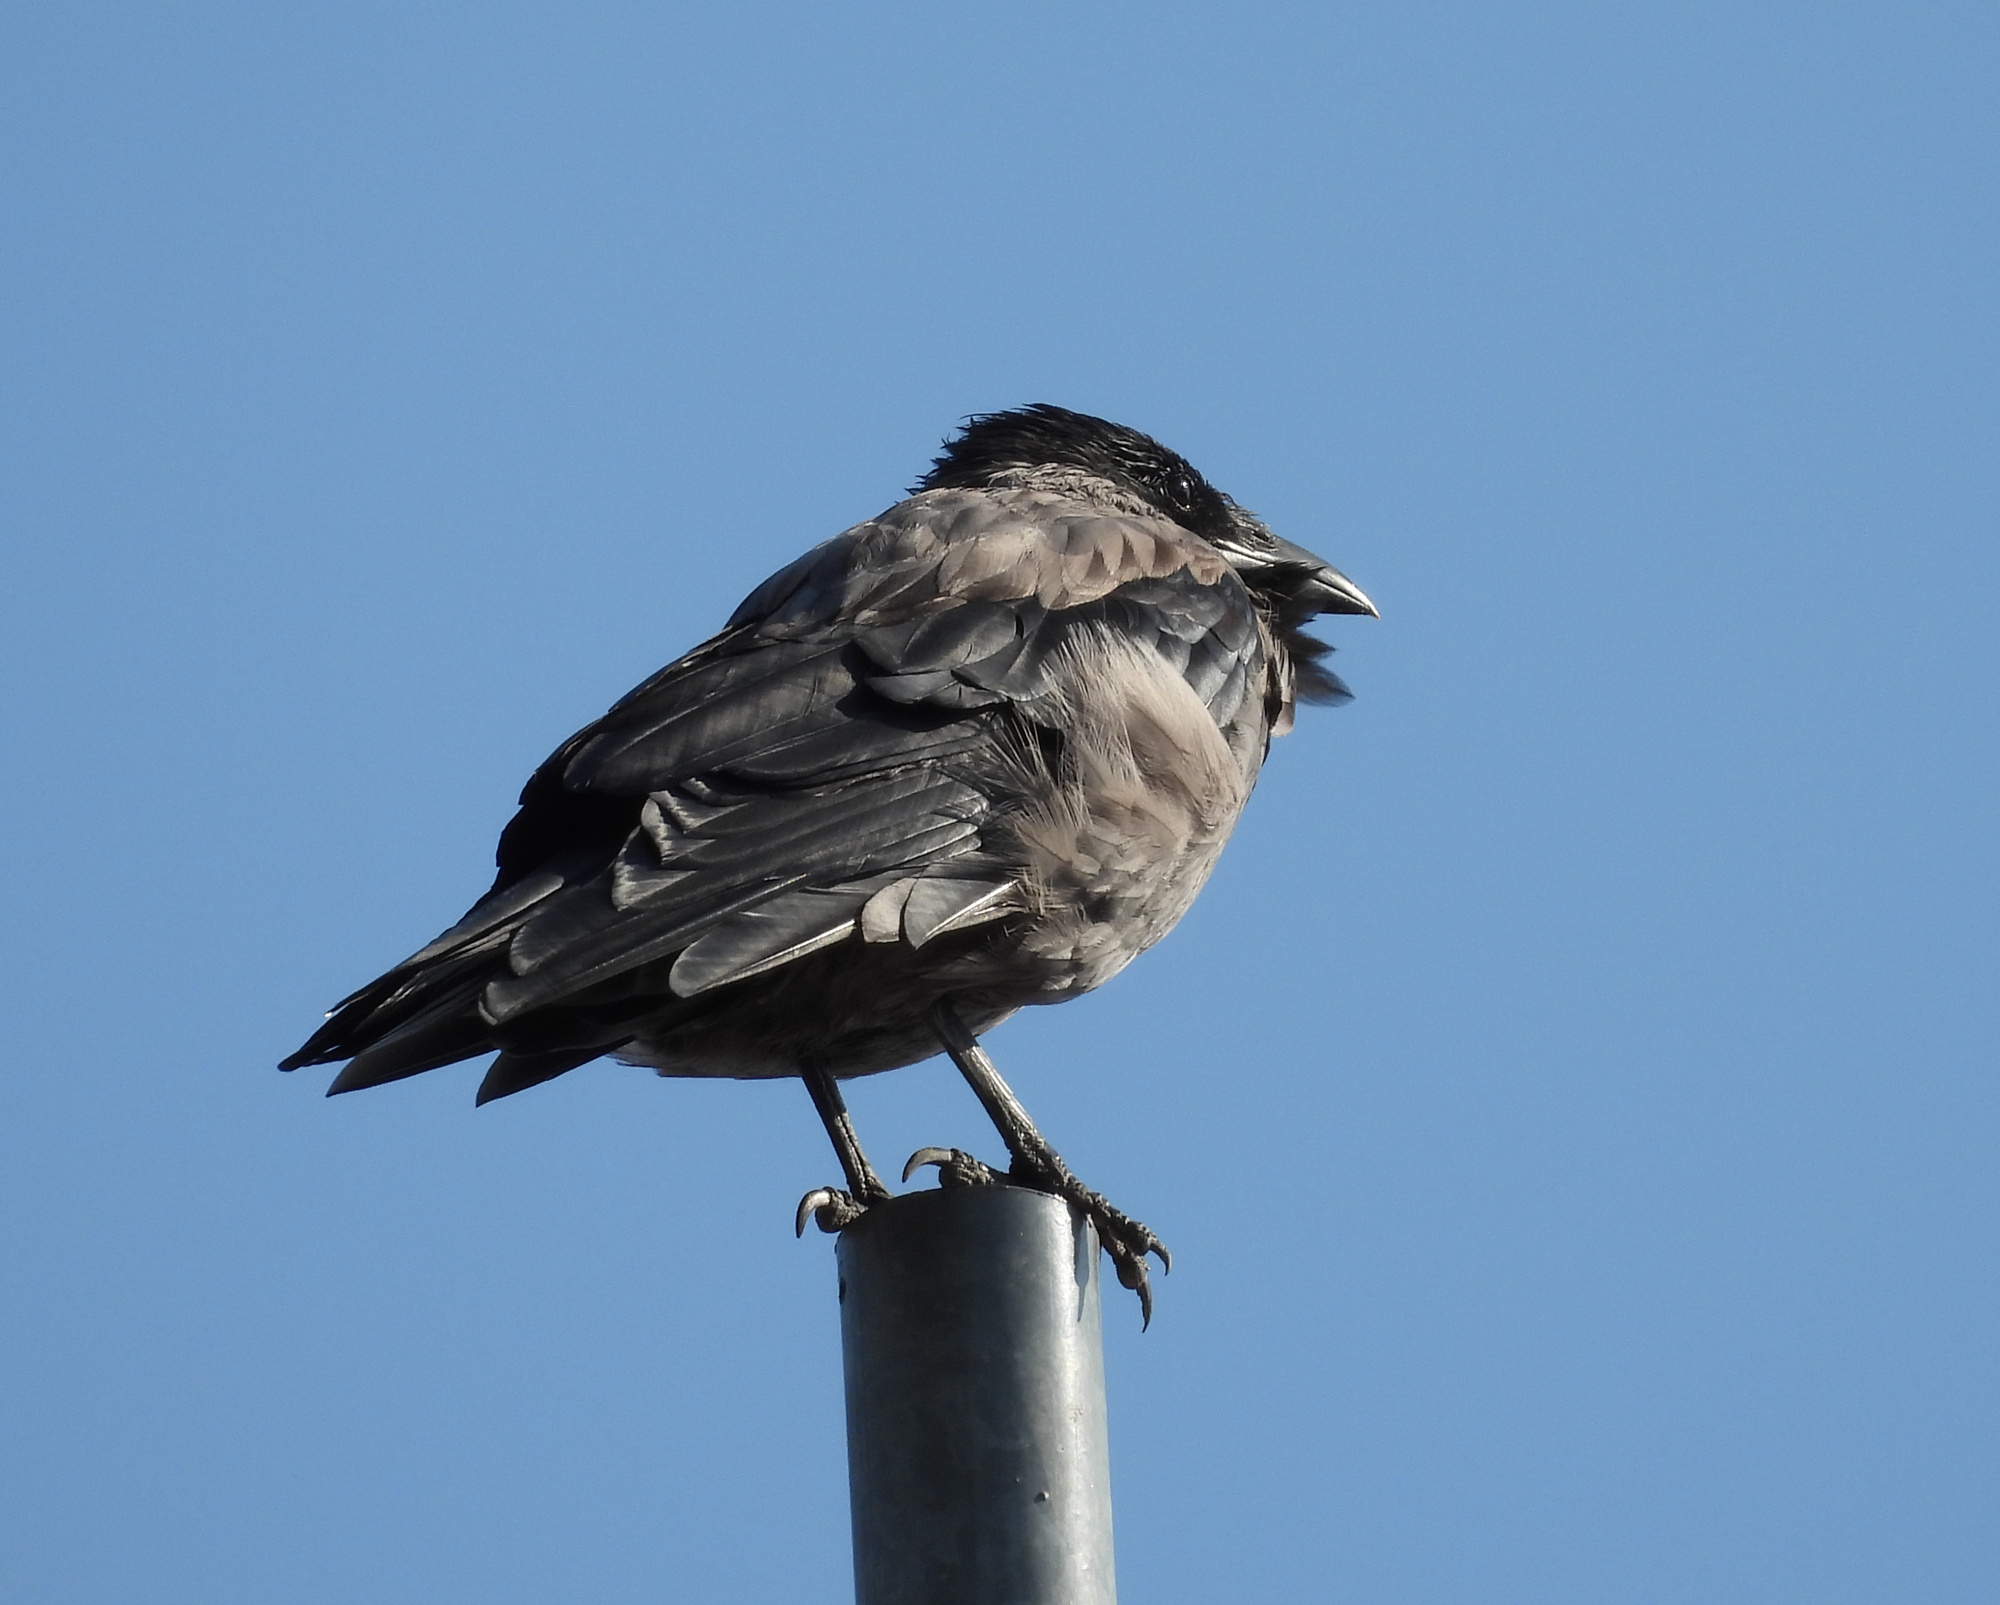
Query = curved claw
x=927 y=1156
x=956 y=1168
x=831 y=1208
x=810 y=1206
x=1128 y=1242
x=1132 y=1274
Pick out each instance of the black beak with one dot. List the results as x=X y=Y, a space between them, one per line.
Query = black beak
x=1311 y=587
x=1327 y=590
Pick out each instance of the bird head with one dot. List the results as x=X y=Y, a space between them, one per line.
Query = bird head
x=1052 y=445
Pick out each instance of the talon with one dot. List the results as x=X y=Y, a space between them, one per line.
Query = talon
x=1132 y=1275
x=956 y=1168
x=829 y=1208
x=928 y=1156
x=809 y=1206
x=1128 y=1242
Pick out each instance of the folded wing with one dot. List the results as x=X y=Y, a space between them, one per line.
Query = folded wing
x=830 y=768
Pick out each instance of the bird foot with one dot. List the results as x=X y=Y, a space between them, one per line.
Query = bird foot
x=1126 y=1240
x=831 y=1209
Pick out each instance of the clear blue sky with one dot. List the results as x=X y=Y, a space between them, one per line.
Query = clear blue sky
x=1572 y=1104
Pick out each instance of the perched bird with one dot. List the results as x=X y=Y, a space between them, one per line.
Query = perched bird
x=975 y=753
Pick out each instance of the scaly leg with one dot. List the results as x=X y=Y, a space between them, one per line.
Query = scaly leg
x=829 y=1206
x=1036 y=1164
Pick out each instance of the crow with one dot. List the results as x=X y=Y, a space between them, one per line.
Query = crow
x=976 y=753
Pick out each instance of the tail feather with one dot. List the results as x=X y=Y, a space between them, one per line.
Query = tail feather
x=387 y=1007
x=516 y=1072
x=450 y=1030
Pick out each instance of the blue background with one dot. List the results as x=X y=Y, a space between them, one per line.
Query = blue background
x=1572 y=1103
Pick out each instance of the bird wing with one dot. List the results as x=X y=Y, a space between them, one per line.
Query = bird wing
x=823 y=768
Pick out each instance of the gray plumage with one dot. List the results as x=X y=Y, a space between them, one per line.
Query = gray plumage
x=980 y=750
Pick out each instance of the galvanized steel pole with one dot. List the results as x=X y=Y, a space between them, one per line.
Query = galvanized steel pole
x=977 y=1450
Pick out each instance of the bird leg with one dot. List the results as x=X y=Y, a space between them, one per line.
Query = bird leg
x=1036 y=1164
x=830 y=1207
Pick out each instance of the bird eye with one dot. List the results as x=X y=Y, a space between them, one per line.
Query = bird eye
x=1180 y=491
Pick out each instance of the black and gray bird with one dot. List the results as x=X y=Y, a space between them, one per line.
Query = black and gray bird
x=977 y=752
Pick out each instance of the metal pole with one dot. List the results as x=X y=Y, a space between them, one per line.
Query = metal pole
x=977 y=1451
